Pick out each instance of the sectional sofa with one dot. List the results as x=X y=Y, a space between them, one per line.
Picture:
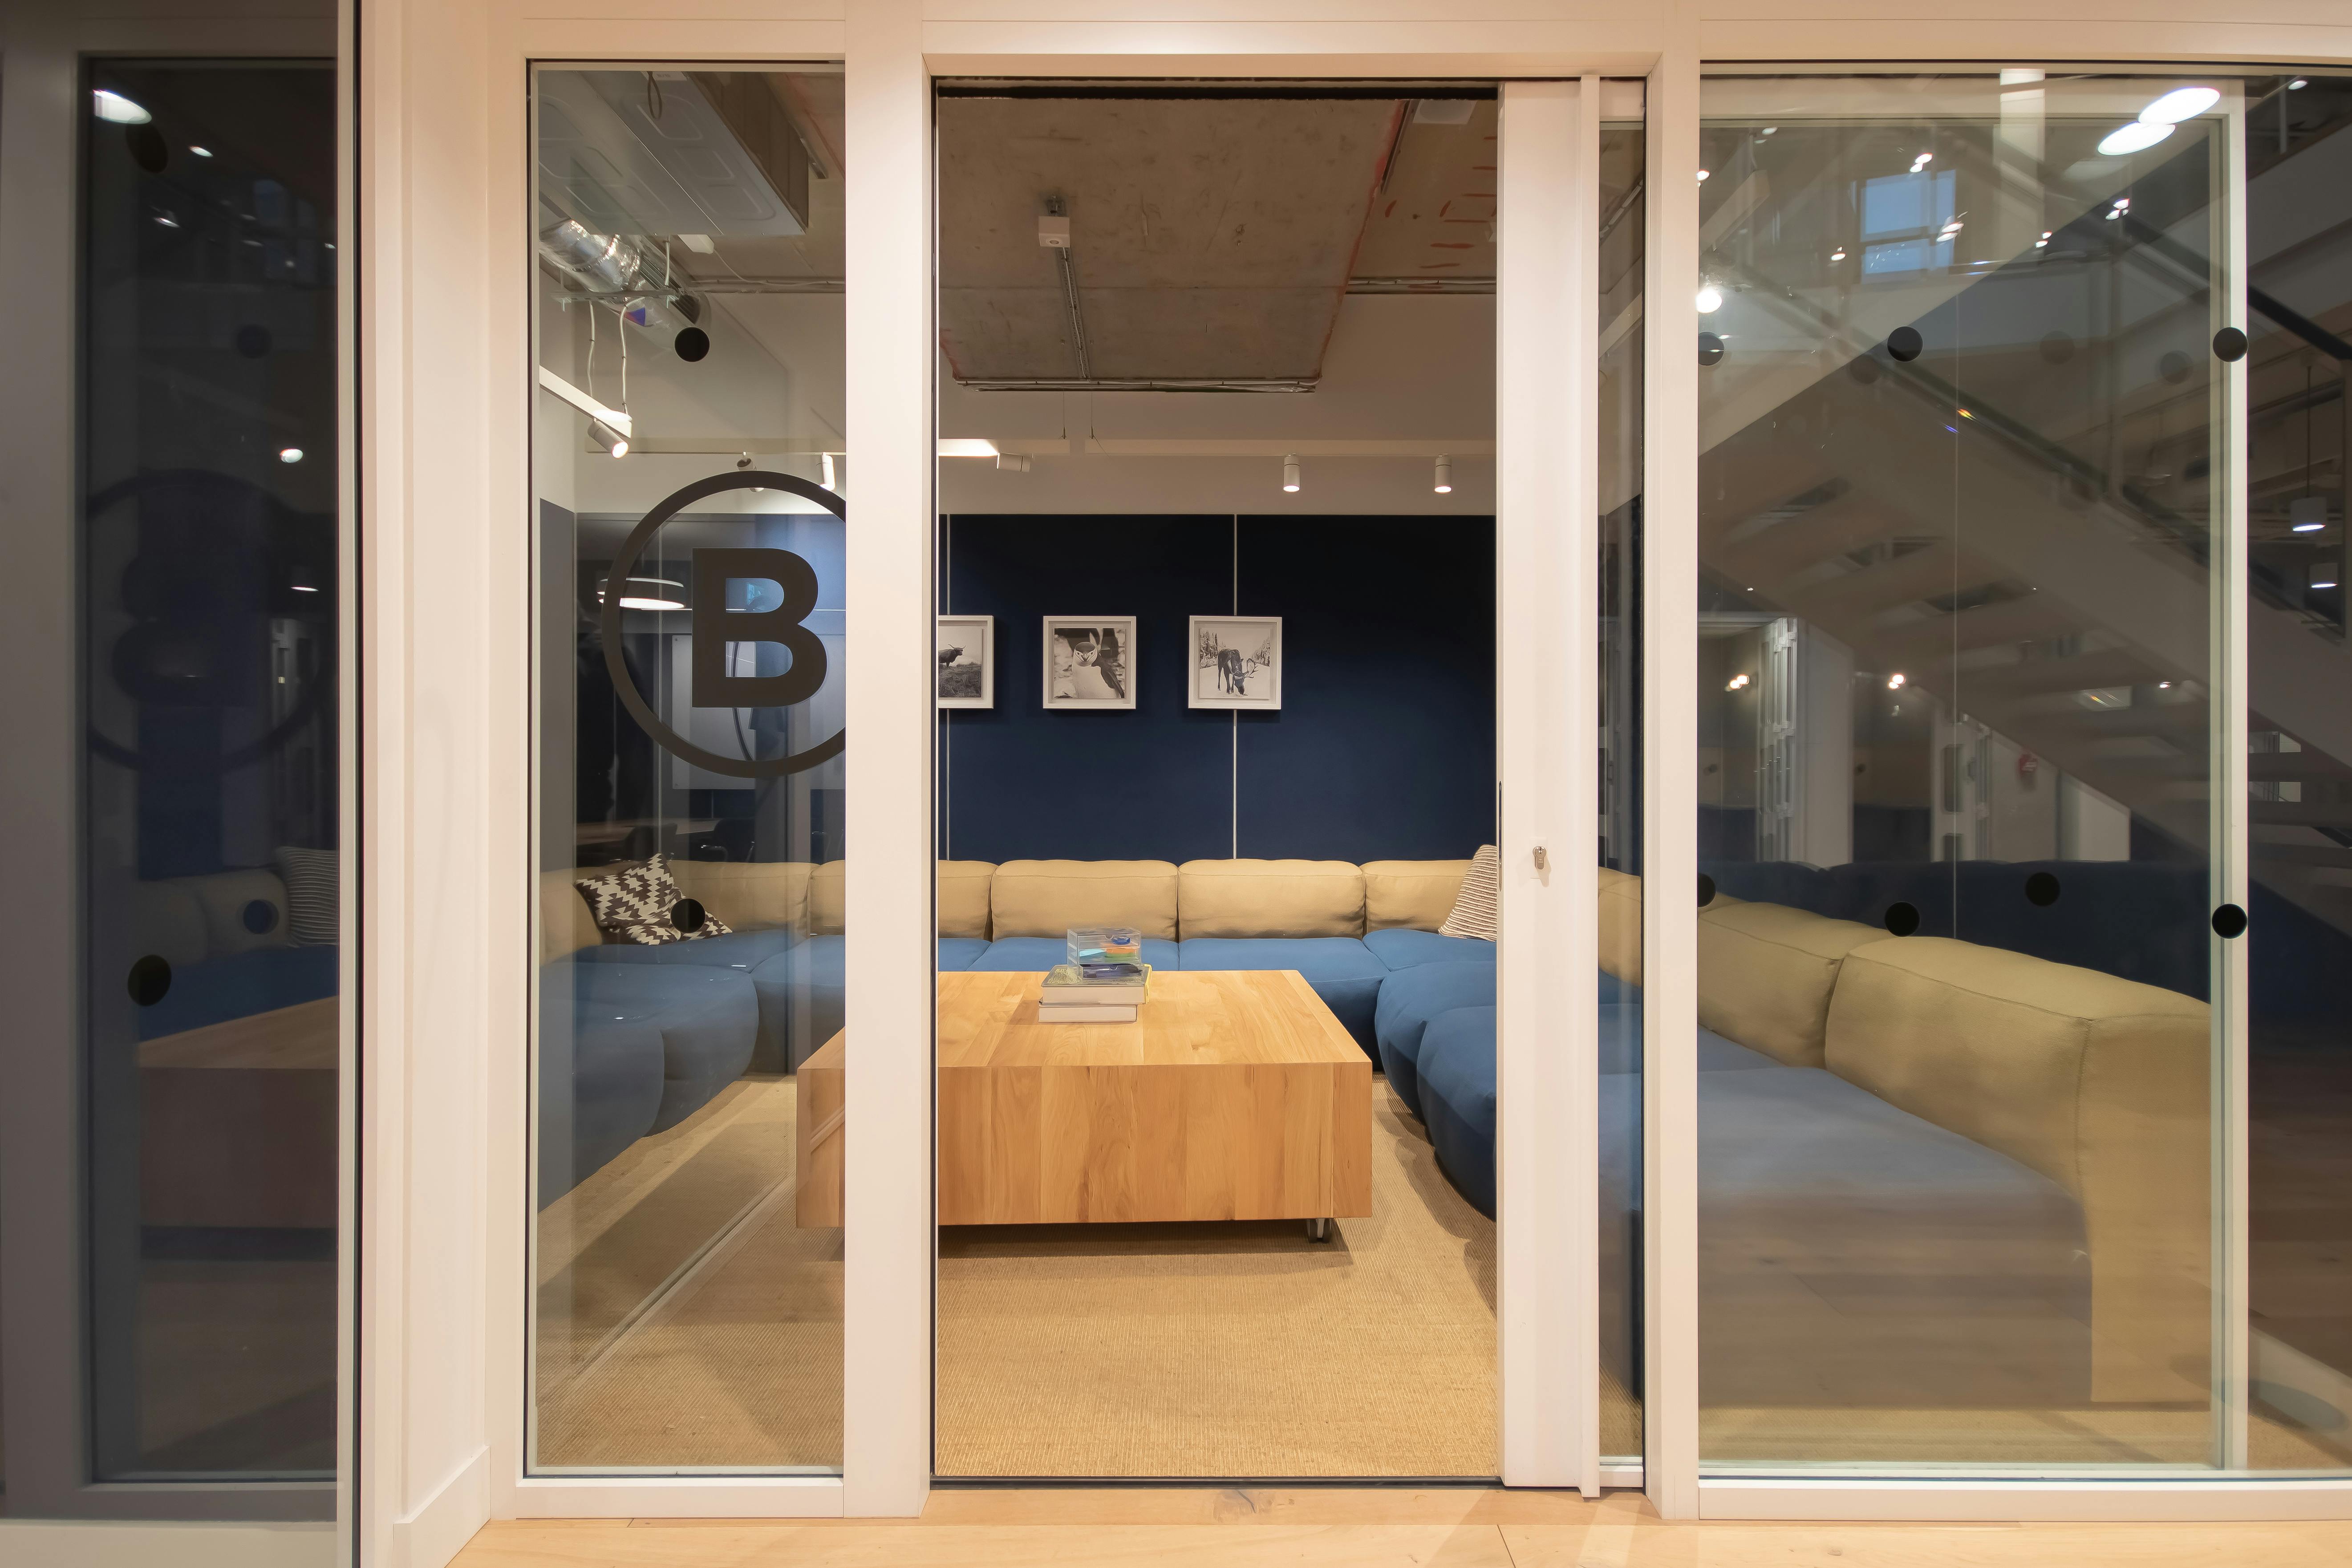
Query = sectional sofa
x=2013 y=1151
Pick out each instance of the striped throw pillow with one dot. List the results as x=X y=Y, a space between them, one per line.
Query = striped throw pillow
x=1473 y=905
x=311 y=878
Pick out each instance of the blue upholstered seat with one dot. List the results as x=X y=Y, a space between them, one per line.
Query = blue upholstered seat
x=1399 y=947
x=1342 y=969
x=743 y=950
x=1457 y=1098
x=1408 y=1000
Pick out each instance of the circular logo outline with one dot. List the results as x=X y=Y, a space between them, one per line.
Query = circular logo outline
x=608 y=622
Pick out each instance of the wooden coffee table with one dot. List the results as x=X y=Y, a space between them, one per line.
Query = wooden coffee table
x=1235 y=1095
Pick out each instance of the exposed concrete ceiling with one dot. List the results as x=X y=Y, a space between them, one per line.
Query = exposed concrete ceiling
x=1212 y=239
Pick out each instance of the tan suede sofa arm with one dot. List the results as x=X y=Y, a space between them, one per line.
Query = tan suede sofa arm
x=2098 y=1083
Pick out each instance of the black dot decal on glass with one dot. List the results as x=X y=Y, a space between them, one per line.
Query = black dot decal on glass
x=151 y=978
x=1864 y=369
x=260 y=916
x=1902 y=919
x=148 y=148
x=692 y=344
x=1710 y=349
x=253 y=342
x=1904 y=344
x=2230 y=345
x=2229 y=920
x=2057 y=348
x=2173 y=367
x=1705 y=889
x=686 y=914
x=2042 y=889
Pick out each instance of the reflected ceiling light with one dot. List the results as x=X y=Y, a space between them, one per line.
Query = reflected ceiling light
x=201 y=151
x=1290 y=474
x=2324 y=575
x=2297 y=85
x=1770 y=129
x=2181 y=103
x=612 y=440
x=825 y=464
x=1839 y=254
x=2307 y=514
x=167 y=220
x=1735 y=683
x=1922 y=161
x=966 y=447
x=303 y=581
x=1445 y=485
x=2136 y=137
x=1710 y=299
x=1894 y=681
x=1702 y=174
x=289 y=454
x=648 y=593
x=2043 y=240
x=117 y=109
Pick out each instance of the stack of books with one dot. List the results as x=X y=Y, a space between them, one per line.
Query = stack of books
x=1093 y=992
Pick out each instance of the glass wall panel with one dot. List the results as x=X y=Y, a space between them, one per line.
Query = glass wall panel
x=2298 y=169
x=1961 y=482
x=692 y=492
x=1622 y=255
x=212 y=830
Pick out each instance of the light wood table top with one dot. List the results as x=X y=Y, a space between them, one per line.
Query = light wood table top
x=1235 y=1095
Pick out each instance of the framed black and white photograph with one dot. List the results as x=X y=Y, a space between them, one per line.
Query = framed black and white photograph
x=1236 y=661
x=1089 y=661
x=965 y=650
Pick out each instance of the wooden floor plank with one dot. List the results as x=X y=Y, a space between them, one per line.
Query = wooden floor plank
x=869 y=1545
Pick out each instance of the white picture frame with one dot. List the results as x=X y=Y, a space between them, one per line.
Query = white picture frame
x=1237 y=662
x=1076 y=675
x=955 y=637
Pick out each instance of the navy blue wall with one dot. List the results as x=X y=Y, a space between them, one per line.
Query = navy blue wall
x=1384 y=746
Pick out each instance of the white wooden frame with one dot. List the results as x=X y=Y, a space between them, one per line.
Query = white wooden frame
x=1048 y=625
x=443 y=82
x=987 y=624
x=1268 y=703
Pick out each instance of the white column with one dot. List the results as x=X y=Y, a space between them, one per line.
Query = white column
x=887 y=1178
x=1547 y=712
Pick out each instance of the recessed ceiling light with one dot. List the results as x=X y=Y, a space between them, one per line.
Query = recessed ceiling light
x=289 y=454
x=117 y=109
x=2136 y=137
x=2181 y=103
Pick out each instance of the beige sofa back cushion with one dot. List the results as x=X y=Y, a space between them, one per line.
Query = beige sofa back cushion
x=2100 y=1084
x=828 y=898
x=1764 y=976
x=566 y=923
x=1414 y=894
x=748 y=895
x=1619 y=902
x=1047 y=898
x=1269 y=897
x=963 y=897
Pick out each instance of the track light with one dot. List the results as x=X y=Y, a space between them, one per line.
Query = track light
x=2324 y=575
x=612 y=440
x=1290 y=474
x=825 y=466
x=1894 y=681
x=1445 y=485
x=2307 y=514
x=2181 y=103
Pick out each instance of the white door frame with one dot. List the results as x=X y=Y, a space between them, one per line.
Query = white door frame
x=443 y=81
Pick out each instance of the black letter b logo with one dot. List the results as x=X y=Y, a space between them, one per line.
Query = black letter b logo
x=716 y=626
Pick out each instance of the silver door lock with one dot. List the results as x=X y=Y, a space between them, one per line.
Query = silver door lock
x=1543 y=860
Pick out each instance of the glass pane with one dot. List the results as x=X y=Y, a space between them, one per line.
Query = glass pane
x=1960 y=485
x=691 y=484
x=1242 y=708
x=211 y=834
x=1622 y=259
x=2299 y=769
